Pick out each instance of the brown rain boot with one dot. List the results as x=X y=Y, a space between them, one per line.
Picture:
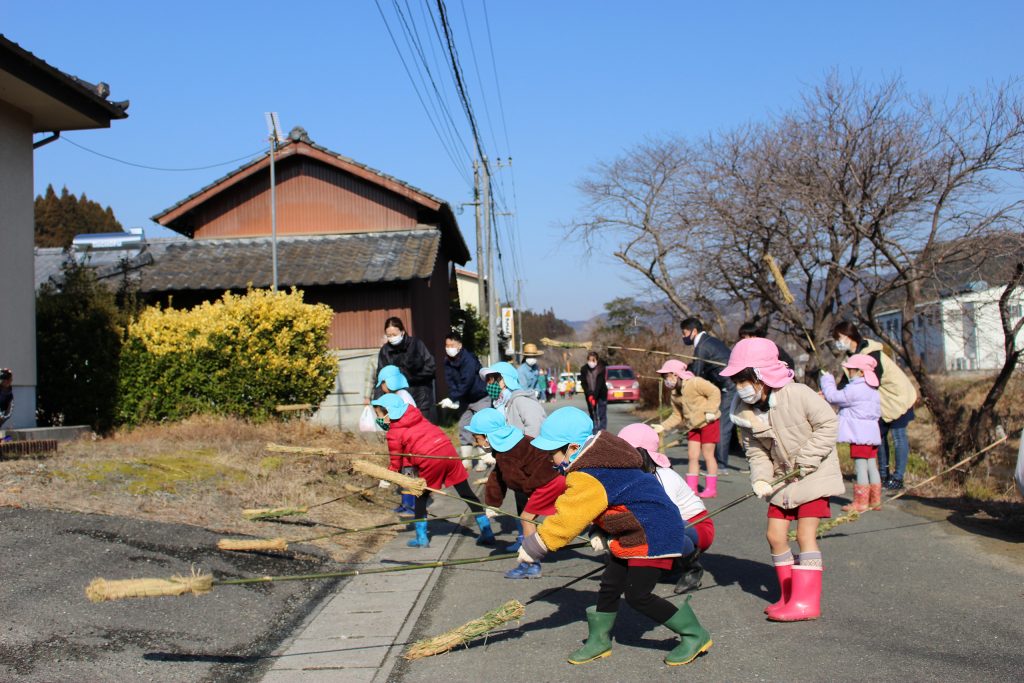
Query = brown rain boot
x=875 y=496
x=860 y=499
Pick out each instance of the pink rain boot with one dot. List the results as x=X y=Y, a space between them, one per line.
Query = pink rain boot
x=710 y=486
x=691 y=481
x=805 y=600
x=784 y=572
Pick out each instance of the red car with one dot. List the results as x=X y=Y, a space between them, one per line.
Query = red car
x=622 y=384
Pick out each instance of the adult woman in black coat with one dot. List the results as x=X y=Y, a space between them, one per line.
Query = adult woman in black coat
x=414 y=360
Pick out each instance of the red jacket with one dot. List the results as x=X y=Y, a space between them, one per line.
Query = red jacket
x=413 y=433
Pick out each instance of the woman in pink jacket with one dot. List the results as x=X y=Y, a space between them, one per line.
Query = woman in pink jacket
x=785 y=427
x=860 y=409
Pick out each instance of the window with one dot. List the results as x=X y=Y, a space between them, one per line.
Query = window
x=620 y=373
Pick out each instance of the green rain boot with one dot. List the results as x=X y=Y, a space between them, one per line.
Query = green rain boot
x=694 y=638
x=599 y=640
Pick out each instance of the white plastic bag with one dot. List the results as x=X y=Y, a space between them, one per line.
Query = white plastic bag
x=368 y=420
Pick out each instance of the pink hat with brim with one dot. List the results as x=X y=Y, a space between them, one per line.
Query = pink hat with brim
x=762 y=355
x=643 y=436
x=676 y=366
x=865 y=363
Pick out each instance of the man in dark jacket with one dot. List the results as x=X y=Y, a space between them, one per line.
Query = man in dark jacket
x=467 y=392
x=595 y=390
x=711 y=355
x=414 y=360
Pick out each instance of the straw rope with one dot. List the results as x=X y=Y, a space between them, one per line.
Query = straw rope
x=246 y=545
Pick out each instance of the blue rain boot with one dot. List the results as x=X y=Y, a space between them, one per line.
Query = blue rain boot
x=486 y=536
x=525 y=570
x=407 y=510
x=421 y=540
x=514 y=547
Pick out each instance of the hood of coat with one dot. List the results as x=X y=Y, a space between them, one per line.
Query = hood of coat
x=607 y=451
x=411 y=418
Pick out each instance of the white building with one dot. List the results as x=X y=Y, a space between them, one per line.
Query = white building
x=961 y=330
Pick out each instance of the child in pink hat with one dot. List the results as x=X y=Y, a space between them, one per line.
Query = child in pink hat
x=860 y=409
x=696 y=402
x=691 y=508
x=784 y=427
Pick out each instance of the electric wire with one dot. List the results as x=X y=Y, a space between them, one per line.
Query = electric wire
x=160 y=168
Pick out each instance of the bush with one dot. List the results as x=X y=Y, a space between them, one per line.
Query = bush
x=78 y=342
x=239 y=356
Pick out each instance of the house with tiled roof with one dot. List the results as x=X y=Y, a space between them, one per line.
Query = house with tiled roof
x=35 y=99
x=363 y=242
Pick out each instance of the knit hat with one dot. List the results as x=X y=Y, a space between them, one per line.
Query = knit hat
x=643 y=436
x=763 y=356
x=491 y=423
x=864 y=362
x=564 y=426
x=507 y=371
x=394 y=405
x=393 y=376
x=676 y=366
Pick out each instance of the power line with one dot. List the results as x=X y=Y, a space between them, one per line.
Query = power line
x=160 y=168
x=497 y=86
x=460 y=85
x=479 y=76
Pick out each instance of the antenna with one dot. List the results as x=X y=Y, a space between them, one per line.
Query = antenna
x=274 y=127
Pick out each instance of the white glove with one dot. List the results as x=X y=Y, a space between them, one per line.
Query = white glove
x=599 y=541
x=491 y=514
x=488 y=459
x=658 y=429
x=761 y=488
x=384 y=484
x=448 y=403
x=710 y=417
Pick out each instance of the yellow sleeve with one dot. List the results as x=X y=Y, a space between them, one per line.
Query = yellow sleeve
x=583 y=501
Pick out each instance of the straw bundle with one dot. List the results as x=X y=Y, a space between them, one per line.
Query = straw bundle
x=413 y=485
x=101 y=589
x=513 y=609
x=253 y=545
x=255 y=514
x=787 y=296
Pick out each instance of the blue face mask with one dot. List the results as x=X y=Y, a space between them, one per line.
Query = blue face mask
x=561 y=468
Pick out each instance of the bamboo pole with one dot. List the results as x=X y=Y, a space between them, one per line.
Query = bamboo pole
x=317 y=450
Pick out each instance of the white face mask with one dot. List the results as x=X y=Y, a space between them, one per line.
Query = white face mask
x=452 y=352
x=841 y=345
x=670 y=383
x=747 y=393
x=531 y=361
x=396 y=340
x=592 y=364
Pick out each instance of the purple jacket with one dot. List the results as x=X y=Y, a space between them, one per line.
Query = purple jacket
x=860 y=409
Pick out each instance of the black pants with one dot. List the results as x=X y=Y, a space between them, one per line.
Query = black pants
x=462 y=489
x=521 y=499
x=636 y=583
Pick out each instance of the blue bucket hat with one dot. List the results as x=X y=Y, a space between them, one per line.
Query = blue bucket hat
x=564 y=426
x=393 y=376
x=491 y=423
x=394 y=405
x=507 y=371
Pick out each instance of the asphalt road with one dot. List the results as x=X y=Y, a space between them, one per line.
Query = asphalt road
x=906 y=598
x=51 y=632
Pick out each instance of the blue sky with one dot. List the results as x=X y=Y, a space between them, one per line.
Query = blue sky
x=580 y=82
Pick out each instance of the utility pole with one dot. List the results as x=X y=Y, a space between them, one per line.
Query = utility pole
x=519 y=320
x=481 y=266
x=274 y=131
x=492 y=290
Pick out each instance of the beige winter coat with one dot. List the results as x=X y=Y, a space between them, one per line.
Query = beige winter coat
x=799 y=430
x=697 y=397
x=897 y=391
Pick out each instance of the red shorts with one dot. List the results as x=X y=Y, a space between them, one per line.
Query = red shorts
x=814 y=508
x=858 y=450
x=705 y=529
x=659 y=562
x=542 y=500
x=709 y=433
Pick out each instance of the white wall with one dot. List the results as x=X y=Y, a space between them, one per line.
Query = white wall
x=17 y=300
x=982 y=347
x=342 y=407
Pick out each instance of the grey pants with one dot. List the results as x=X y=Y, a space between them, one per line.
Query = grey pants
x=725 y=429
x=466 y=414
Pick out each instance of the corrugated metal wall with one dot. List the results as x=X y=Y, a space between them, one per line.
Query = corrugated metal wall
x=311 y=199
x=360 y=311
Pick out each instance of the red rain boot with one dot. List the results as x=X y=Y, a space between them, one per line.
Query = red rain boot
x=785 y=574
x=710 y=486
x=691 y=481
x=805 y=601
x=860 y=498
x=875 y=496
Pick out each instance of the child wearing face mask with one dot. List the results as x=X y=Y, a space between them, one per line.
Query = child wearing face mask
x=860 y=409
x=786 y=426
x=409 y=432
x=519 y=406
x=635 y=523
x=696 y=402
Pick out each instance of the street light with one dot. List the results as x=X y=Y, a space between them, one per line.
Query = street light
x=274 y=133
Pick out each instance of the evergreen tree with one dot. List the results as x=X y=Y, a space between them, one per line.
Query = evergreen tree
x=59 y=219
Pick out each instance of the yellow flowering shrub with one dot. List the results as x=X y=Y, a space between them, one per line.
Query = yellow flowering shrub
x=240 y=355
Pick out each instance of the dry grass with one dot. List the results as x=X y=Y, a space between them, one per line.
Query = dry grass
x=203 y=472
